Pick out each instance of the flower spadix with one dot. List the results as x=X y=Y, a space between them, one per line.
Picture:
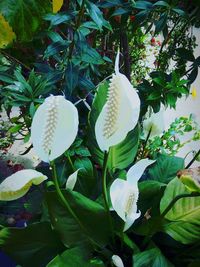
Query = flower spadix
x=117 y=261
x=120 y=113
x=18 y=184
x=54 y=127
x=124 y=193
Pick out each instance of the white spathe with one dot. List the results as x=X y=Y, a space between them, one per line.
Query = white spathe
x=120 y=113
x=117 y=261
x=71 y=181
x=54 y=127
x=124 y=193
x=155 y=123
x=18 y=184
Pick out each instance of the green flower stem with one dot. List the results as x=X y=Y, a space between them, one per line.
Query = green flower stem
x=145 y=143
x=172 y=203
x=71 y=163
x=65 y=203
x=104 y=186
x=193 y=160
x=105 y=196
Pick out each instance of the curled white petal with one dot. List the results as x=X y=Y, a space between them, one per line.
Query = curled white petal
x=71 y=181
x=117 y=261
x=119 y=115
x=136 y=171
x=154 y=123
x=130 y=220
x=124 y=194
x=118 y=192
x=18 y=184
x=54 y=127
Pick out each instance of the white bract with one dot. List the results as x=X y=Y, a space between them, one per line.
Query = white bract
x=117 y=261
x=154 y=123
x=71 y=181
x=119 y=114
x=18 y=184
x=124 y=193
x=54 y=127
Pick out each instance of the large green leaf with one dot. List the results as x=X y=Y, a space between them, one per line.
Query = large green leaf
x=166 y=168
x=121 y=155
x=25 y=16
x=78 y=256
x=151 y=258
x=184 y=217
x=91 y=214
x=31 y=246
x=150 y=195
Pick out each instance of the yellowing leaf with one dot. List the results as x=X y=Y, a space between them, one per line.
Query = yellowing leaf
x=6 y=33
x=57 y=4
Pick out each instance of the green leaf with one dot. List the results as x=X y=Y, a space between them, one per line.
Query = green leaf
x=24 y=16
x=184 y=217
x=151 y=258
x=165 y=168
x=86 y=182
x=121 y=155
x=78 y=256
x=143 y=5
x=91 y=214
x=71 y=78
x=161 y=4
x=150 y=195
x=161 y=23
x=15 y=129
x=179 y=11
x=31 y=246
x=97 y=16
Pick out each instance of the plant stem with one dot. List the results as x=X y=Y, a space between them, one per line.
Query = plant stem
x=104 y=186
x=78 y=22
x=193 y=160
x=9 y=57
x=65 y=203
x=171 y=204
x=145 y=143
x=105 y=196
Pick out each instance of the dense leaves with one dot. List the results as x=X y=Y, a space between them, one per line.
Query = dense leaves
x=31 y=246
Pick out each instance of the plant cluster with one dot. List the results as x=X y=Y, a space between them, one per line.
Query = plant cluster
x=100 y=198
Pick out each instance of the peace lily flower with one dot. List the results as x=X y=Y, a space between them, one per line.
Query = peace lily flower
x=124 y=193
x=117 y=261
x=154 y=123
x=71 y=181
x=120 y=113
x=54 y=127
x=18 y=184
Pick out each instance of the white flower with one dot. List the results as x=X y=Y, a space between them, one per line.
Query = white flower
x=120 y=113
x=117 y=261
x=54 y=127
x=18 y=184
x=71 y=181
x=155 y=123
x=124 y=193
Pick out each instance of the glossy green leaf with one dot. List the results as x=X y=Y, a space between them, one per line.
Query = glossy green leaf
x=184 y=217
x=165 y=168
x=151 y=258
x=77 y=256
x=92 y=216
x=32 y=246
